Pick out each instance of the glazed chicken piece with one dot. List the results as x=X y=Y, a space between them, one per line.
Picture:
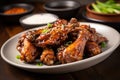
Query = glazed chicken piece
x=26 y=47
x=47 y=56
x=60 y=22
x=74 y=22
x=92 y=48
x=92 y=32
x=28 y=51
x=94 y=36
x=46 y=32
x=55 y=35
x=101 y=39
x=74 y=51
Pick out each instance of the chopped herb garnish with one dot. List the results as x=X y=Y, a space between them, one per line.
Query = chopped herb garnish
x=18 y=56
x=45 y=30
x=49 y=25
x=39 y=64
x=103 y=44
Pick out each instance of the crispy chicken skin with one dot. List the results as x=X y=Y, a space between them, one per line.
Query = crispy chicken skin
x=28 y=51
x=52 y=36
x=47 y=56
x=74 y=51
x=60 y=22
x=58 y=34
x=92 y=48
x=55 y=37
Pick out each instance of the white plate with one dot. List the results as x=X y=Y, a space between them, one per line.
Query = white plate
x=9 y=53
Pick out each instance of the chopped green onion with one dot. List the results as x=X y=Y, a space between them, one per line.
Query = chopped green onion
x=49 y=25
x=18 y=56
x=45 y=31
x=103 y=44
x=39 y=64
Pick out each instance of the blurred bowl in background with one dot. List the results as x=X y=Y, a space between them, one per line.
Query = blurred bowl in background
x=63 y=8
x=112 y=20
x=11 y=13
x=101 y=16
x=37 y=19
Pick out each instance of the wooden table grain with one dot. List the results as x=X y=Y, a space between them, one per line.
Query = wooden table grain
x=109 y=69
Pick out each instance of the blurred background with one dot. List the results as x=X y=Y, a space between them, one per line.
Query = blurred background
x=3 y=2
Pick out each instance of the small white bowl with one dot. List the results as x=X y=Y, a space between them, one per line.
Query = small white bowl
x=37 y=19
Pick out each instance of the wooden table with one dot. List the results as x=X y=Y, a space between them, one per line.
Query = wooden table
x=109 y=69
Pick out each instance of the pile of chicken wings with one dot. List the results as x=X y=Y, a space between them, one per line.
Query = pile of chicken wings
x=60 y=42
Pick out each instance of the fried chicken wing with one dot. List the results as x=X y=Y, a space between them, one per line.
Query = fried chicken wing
x=56 y=35
x=92 y=48
x=28 y=51
x=74 y=51
x=47 y=56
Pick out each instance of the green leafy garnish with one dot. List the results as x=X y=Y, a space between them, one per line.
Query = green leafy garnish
x=45 y=30
x=103 y=44
x=39 y=64
x=18 y=56
x=49 y=25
